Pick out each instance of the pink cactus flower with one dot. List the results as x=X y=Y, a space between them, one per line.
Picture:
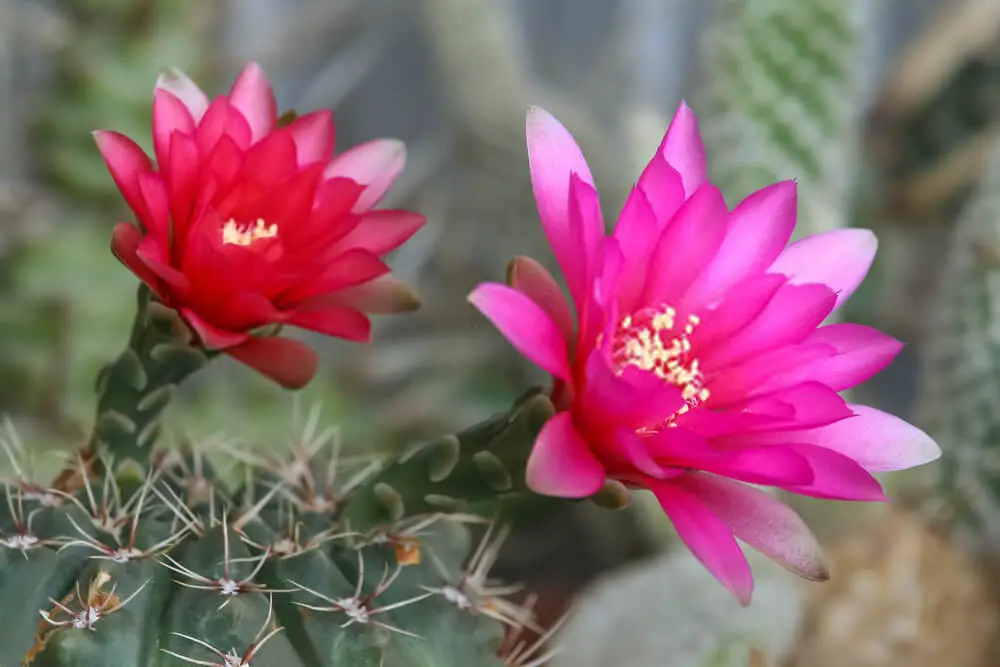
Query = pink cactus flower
x=697 y=364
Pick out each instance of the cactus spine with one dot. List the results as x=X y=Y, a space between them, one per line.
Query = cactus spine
x=139 y=557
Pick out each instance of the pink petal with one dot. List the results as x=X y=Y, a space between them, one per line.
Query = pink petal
x=632 y=398
x=380 y=296
x=534 y=281
x=633 y=449
x=184 y=89
x=636 y=233
x=314 y=136
x=374 y=164
x=154 y=195
x=686 y=246
x=169 y=116
x=290 y=363
x=586 y=230
x=878 y=441
x=758 y=374
x=380 y=232
x=683 y=149
x=793 y=313
x=739 y=307
x=857 y=353
x=561 y=464
x=763 y=522
x=525 y=325
x=776 y=465
x=125 y=161
x=553 y=157
x=838 y=477
x=839 y=259
x=662 y=186
x=759 y=229
x=252 y=96
x=707 y=536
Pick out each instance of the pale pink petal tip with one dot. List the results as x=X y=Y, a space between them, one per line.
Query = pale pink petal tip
x=839 y=258
x=374 y=164
x=183 y=88
x=561 y=464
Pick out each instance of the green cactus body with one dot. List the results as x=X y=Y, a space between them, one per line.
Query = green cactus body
x=136 y=558
x=778 y=102
x=961 y=359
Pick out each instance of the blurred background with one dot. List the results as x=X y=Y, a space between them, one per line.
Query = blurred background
x=886 y=111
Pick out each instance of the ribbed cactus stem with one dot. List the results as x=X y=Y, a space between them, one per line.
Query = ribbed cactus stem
x=482 y=463
x=134 y=389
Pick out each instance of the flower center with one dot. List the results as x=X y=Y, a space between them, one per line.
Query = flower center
x=235 y=233
x=655 y=341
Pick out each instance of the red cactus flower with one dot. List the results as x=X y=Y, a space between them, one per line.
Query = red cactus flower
x=243 y=224
x=696 y=364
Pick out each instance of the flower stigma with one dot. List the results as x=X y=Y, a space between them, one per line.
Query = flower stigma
x=654 y=341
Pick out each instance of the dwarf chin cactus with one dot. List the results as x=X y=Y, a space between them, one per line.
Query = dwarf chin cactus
x=136 y=556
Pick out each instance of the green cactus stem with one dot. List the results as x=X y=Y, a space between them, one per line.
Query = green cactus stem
x=134 y=389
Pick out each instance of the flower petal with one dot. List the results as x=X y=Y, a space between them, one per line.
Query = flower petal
x=763 y=522
x=759 y=229
x=525 y=325
x=707 y=536
x=125 y=240
x=374 y=164
x=534 y=281
x=345 y=323
x=169 y=116
x=314 y=137
x=184 y=89
x=838 y=477
x=686 y=246
x=561 y=464
x=553 y=157
x=382 y=295
x=856 y=353
x=211 y=336
x=839 y=259
x=289 y=362
x=878 y=441
x=380 y=232
x=252 y=96
x=684 y=150
x=125 y=161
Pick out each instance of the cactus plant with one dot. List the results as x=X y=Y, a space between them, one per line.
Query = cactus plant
x=139 y=556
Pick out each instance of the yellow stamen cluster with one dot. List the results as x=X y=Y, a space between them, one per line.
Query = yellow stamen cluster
x=244 y=234
x=652 y=341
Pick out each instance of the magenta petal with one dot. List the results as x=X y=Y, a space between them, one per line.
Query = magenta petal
x=838 y=477
x=707 y=536
x=553 y=157
x=633 y=398
x=857 y=353
x=374 y=164
x=686 y=246
x=586 y=232
x=683 y=149
x=793 y=313
x=839 y=258
x=763 y=522
x=533 y=280
x=252 y=96
x=525 y=325
x=636 y=233
x=878 y=441
x=633 y=450
x=775 y=465
x=663 y=188
x=178 y=84
x=561 y=464
x=759 y=229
